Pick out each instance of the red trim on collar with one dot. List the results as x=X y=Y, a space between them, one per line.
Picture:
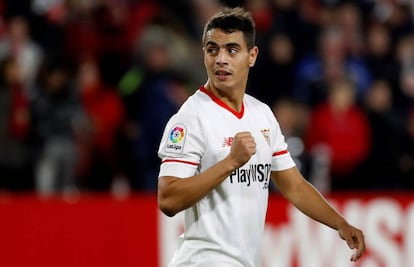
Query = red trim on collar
x=218 y=101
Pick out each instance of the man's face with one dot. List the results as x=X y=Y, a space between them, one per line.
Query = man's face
x=227 y=59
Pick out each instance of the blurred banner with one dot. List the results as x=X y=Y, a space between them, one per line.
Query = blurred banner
x=102 y=231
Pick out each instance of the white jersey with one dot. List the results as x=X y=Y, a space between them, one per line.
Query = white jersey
x=225 y=227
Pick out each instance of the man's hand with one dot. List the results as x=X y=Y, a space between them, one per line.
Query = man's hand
x=176 y=194
x=354 y=238
x=242 y=148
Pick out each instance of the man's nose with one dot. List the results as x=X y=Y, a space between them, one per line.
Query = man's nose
x=221 y=58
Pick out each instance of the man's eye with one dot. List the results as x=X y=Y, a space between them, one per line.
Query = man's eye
x=232 y=50
x=212 y=51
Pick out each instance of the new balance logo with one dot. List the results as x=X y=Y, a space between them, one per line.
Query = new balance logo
x=227 y=141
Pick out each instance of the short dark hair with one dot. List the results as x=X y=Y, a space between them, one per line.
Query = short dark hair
x=233 y=19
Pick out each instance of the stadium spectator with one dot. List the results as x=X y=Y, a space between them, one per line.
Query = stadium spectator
x=379 y=53
x=278 y=60
x=382 y=167
x=295 y=19
x=403 y=80
x=27 y=53
x=98 y=30
x=56 y=117
x=348 y=18
x=15 y=164
x=105 y=116
x=340 y=125
x=331 y=63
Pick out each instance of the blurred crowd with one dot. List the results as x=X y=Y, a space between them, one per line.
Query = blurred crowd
x=87 y=87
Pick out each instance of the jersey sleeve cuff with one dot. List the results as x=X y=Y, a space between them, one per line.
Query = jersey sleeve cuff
x=282 y=161
x=178 y=169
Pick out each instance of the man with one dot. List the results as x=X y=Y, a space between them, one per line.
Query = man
x=219 y=152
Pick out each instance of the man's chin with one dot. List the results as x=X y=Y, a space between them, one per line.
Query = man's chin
x=223 y=83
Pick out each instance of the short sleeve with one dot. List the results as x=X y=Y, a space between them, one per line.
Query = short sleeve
x=281 y=158
x=181 y=146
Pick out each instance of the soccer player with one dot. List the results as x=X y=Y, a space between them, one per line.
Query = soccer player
x=219 y=152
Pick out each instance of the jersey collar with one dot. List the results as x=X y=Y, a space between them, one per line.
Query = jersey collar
x=218 y=101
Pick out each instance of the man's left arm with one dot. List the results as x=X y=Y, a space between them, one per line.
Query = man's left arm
x=309 y=200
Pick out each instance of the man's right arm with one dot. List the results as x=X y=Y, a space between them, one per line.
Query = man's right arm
x=176 y=194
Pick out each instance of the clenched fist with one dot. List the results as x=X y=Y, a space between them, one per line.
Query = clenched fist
x=242 y=148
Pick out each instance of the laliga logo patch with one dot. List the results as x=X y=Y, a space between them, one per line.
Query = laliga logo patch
x=176 y=139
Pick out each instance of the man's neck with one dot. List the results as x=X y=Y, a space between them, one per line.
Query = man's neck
x=231 y=97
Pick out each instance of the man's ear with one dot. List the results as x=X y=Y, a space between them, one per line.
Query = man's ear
x=253 y=55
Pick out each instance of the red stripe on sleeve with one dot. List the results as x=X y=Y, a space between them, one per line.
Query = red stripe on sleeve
x=180 y=161
x=280 y=153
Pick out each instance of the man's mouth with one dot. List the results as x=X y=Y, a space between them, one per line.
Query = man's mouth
x=222 y=74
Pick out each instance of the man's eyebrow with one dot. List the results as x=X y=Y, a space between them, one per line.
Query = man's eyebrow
x=211 y=43
x=233 y=44
x=226 y=45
